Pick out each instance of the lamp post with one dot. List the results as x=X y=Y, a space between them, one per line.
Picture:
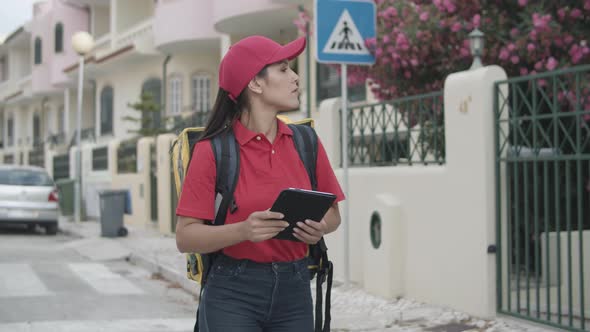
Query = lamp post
x=82 y=42
x=476 y=43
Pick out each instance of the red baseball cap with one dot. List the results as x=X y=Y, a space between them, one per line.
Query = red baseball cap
x=247 y=57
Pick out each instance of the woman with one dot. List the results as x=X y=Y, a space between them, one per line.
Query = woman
x=257 y=283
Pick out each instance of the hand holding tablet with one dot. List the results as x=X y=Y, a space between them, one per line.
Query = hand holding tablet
x=299 y=205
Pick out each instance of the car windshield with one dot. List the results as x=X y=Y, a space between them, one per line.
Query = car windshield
x=23 y=177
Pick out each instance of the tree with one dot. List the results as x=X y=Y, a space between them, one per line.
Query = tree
x=150 y=119
x=420 y=42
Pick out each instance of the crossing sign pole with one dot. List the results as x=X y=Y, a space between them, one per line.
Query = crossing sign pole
x=342 y=26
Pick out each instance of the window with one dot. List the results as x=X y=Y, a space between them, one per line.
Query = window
x=106 y=110
x=175 y=95
x=38 y=53
x=59 y=37
x=200 y=92
x=36 y=129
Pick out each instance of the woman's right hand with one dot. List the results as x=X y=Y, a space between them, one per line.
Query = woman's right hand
x=263 y=225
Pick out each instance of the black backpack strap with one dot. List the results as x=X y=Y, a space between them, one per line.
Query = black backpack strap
x=306 y=144
x=227 y=161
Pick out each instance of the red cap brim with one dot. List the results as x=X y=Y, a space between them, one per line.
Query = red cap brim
x=289 y=51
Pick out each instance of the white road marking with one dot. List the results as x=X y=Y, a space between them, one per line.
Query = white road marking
x=103 y=280
x=20 y=280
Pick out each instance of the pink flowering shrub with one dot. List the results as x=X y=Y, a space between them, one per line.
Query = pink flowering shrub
x=420 y=42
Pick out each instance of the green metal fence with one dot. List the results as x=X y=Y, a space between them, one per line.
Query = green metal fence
x=61 y=167
x=100 y=159
x=543 y=197
x=408 y=131
x=37 y=157
x=8 y=159
x=127 y=157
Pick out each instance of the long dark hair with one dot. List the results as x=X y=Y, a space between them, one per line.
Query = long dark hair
x=225 y=111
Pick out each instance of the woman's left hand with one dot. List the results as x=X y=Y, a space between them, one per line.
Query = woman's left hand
x=310 y=231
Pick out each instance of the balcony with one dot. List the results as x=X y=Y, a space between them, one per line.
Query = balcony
x=261 y=17
x=184 y=25
x=138 y=35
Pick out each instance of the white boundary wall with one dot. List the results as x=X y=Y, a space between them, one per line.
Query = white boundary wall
x=446 y=214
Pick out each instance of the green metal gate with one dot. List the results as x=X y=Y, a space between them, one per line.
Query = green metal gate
x=542 y=133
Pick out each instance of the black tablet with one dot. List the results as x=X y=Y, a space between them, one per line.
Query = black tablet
x=300 y=204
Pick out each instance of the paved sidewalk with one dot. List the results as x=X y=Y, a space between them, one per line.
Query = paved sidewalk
x=352 y=308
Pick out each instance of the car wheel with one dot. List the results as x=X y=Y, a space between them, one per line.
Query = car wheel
x=51 y=229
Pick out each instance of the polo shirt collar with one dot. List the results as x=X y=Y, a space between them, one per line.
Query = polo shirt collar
x=244 y=135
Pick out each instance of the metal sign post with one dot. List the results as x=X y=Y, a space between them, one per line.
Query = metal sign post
x=342 y=26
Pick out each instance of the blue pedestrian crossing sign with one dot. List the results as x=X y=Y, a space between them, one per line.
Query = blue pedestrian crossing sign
x=341 y=27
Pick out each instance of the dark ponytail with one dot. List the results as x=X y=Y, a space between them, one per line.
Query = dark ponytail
x=225 y=111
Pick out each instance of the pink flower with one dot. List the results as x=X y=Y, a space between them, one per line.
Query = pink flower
x=515 y=59
x=476 y=20
x=450 y=6
x=386 y=39
x=539 y=65
x=456 y=27
x=378 y=52
x=587 y=5
x=504 y=55
x=530 y=47
x=523 y=71
x=407 y=74
x=587 y=118
x=424 y=16
x=568 y=39
x=522 y=3
x=561 y=13
x=514 y=32
x=464 y=52
x=551 y=63
x=511 y=47
x=576 y=13
x=414 y=62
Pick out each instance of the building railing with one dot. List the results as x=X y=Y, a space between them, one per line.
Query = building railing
x=127 y=156
x=407 y=131
x=140 y=29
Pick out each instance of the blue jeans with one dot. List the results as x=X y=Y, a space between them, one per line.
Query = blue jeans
x=245 y=296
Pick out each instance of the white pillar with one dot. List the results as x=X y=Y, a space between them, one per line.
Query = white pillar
x=113 y=18
x=225 y=44
x=470 y=163
x=67 y=115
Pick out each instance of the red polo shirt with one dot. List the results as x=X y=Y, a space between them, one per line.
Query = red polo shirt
x=265 y=170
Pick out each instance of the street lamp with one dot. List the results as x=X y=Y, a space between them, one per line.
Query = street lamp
x=476 y=43
x=82 y=42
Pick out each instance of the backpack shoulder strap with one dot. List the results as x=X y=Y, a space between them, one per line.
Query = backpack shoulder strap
x=227 y=162
x=306 y=144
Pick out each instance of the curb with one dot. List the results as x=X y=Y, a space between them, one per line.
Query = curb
x=167 y=273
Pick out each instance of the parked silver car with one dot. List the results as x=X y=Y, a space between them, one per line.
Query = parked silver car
x=28 y=196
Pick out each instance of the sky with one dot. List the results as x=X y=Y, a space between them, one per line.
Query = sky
x=13 y=14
